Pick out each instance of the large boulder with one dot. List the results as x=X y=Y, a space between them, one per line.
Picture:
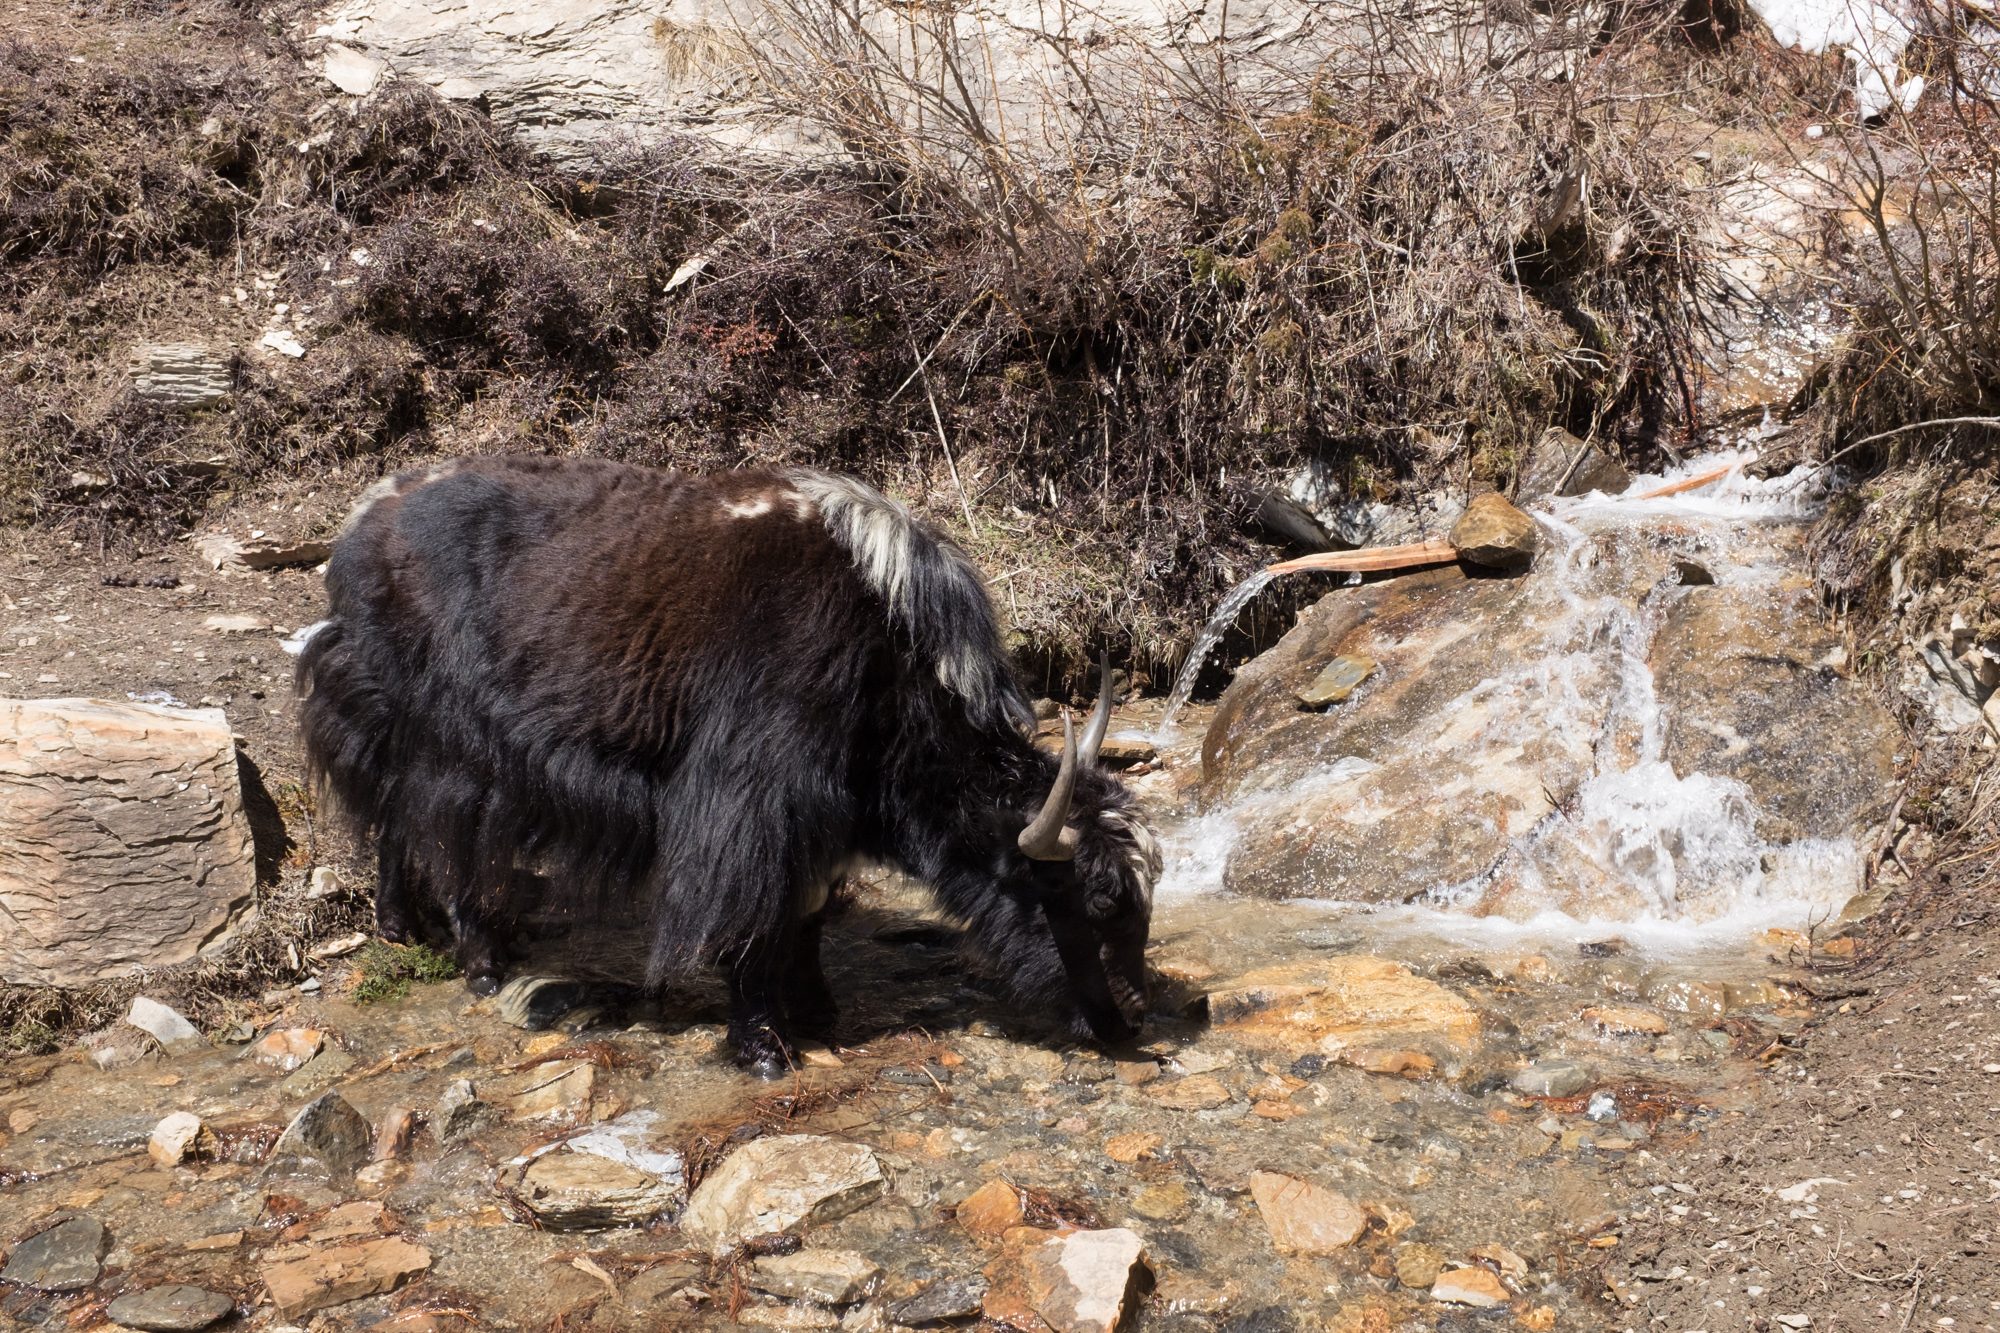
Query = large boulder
x=123 y=839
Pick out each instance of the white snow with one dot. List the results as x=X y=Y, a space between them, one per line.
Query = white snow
x=1873 y=34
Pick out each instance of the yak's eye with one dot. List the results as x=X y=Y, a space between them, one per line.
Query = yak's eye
x=1100 y=905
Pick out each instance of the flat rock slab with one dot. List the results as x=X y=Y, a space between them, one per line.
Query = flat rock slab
x=169 y=1309
x=1331 y=1005
x=830 y=1277
x=336 y=1274
x=1075 y=1281
x=163 y=1024
x=1475 y=1287
x=575 y=1191
x=248 y=554
x=123 y=841
x=943 y=1302
x=66 y=1257
x=1304 y=1218
x=775 y=1184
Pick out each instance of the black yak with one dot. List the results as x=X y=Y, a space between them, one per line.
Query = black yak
x=696 y=701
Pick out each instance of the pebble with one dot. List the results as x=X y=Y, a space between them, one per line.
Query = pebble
x=1130 y=1148
x=178 y=1137
x=1551 y=1078
x=1304 y=1218
x=65 y=1257
x=169 y=1309
x=1475 y=1287
x=991 y=1211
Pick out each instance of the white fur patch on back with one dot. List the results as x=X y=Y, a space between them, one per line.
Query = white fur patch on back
x=756 y=507
x=402 y=483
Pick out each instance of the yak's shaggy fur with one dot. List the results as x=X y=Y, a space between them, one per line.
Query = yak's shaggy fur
x=694 y=702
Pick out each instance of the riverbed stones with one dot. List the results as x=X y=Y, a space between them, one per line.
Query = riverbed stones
x=1073 y=1281
x=1304 y=1218
x=991 y=1211
x=775 y=1184
x=123 y=840
x=1625 y=1020
x=1494 y=534
x=65 y=1257
x=285 y=1049
x=1417 y=1265
x=1551 y=1078
x=559 y=1088
x=336 y=1274
x=169 y=1309
x=1333 y=1005
x=1339 y=679
x=163 y=1025
x=575 y=1191
x=944 y=1302
x=328 y=1130
x=830 y=1277
x=1474 y=1287
x=178 y=1138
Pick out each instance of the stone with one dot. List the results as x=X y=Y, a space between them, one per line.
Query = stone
x=336 y=1274
x=1304 y=1218
x=1331 y=1005
x=942 y=1302
x=350 y=71
x=1074 y=1281
x=991 y=1211
x=181 y=374
x=179 y=1137
x=1199 y=1092
x=775 y=1184
x=1475 y=1287
x=285 y=1049
x=536 y=1003
x=238 y=623
x=1395 y=1063
x=1555 y=469
x=787 y=1316
x=558 y=1088
x=1126 y=751
x=329 y=1131
x=1417 y=1265
x=169 y=1309
x=1340 y=678
x=65 y=1257
x=163 y=1025
x=1129 y=1148
x=1625 y=1021
x=1551 y=1078
x=221 y=550
x=394 y=1132
x=460 y=1113
x=1509 y=1263
x=1167 y=1201
x=1494 y=534
x=573 y=1191
x=830 y=1277
x=123 y=840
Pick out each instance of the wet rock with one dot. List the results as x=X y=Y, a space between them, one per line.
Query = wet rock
x=1625 y=1021
x=1562 y=465
x=1475 y=1287
x=775 y=1184
x=123 y=842
x=336 y=1274
x=991 y=1211
x=163 y=1025
x=1493 y=533
x=318 y=1074
x=285 y=1049
x=179 y=1137
x=787 y=1316
x=573 y=1191
x=1132 y=1147
x=1167 y=1201
x=1417 y=1265
x=394 y=1133
x=1340 y=678
x=1509 y=1263
x=1338 y=1004
x=65 y=1257
x=120 y=1047
x=1199 y=1092
x=1390 y=1062
x=559 y=1088
x=942 y=1302
x=1304 y=1218
x=245 y=554
x=830 y=1277
x=1126 y=751
x=329 y=1131
x=1076 y=1282
x=539 y=1003
x=169 y=1309
x=1551 y=1078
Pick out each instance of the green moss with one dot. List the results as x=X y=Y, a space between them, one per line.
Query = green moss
x=388 y=970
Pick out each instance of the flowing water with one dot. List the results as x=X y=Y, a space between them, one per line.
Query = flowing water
x=1211 y=634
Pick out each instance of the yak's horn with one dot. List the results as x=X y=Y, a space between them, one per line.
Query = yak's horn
x=1048 y=837
x=1100 y=718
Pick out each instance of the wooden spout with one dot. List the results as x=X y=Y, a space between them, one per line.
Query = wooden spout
x=1372 y=559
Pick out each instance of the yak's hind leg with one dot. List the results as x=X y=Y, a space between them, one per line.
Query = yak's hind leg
x=809 y=1000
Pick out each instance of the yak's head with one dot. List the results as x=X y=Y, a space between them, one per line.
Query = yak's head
x=1083 y=868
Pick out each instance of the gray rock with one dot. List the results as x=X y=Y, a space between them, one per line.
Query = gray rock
x=1555 y=469
x=181 y=374
x=162 y=1024
x=329 y=1131
x=775 y=1184
x=942 y=1302
x=65 y=1257
x=460 y=1113
x=575 y=1191
x=168 y=1309
x=1551 y=1078
x=831 y=1277
x=1340 y=678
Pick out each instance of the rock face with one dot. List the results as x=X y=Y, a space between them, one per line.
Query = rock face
x=181 y=374
x=123 y=842
x=64 y=1257
x=1304 y=1218
x=1342 y=1004
x=1493 y=533
x=1073 y=1282
x=775 y=1184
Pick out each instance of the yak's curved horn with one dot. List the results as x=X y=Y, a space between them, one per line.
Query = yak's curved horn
x=1100 y=718
x=1048 y=837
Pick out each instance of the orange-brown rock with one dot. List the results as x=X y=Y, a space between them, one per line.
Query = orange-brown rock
x=336 y=1274
x=1335 y=1005
x=992 y=1210
x=1304 y=1218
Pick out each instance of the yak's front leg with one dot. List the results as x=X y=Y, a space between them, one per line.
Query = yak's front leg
x=757 y=983
x=395 y=909
x=809 y=1002
x=481 y=951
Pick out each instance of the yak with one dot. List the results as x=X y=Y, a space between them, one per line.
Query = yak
x=698 y=701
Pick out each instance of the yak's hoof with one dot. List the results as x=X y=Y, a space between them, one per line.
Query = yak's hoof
x=763 y=1055
x=483 y=984
x=395 y=932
